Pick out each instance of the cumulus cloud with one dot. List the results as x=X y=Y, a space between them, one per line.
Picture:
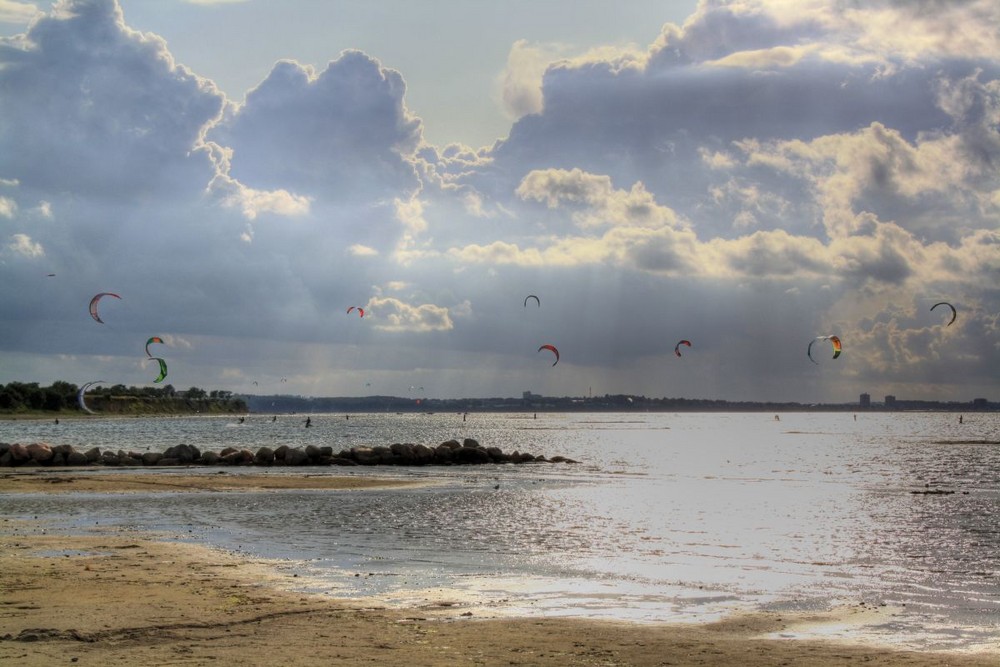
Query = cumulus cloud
x=94 y=107
x=252 y=202
x=340 y=133
x=521 y=81
x=21 y=244
x=391 y=314
x=764 y=172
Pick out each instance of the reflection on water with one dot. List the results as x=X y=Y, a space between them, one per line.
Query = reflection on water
x=667 y=517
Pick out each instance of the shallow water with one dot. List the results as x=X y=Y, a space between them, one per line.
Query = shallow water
x=679 y=517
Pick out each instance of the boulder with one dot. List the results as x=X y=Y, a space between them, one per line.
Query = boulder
x=444 y=454
x=230 y=456
x=401 y=449
x=422 y=455
x=151 y=458
x=342 y=461
x=76 y=458
x=19 y=453
x=312 y=451
x=296 y=457
x=471 y=455
x=183 y=453
x=93 y=454
x=264 y=456
x=64 y=450
x=496 y=455
x=471 y=442
x=383 y=455
x=364 y=456
x=39 y=452
x=402 y=454
x=209 y=458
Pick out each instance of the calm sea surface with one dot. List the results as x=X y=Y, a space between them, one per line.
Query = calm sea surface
x=667 y=517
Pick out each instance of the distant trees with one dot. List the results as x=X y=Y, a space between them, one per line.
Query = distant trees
x=61 y=395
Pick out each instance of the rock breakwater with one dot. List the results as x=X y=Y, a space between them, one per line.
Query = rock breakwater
x=451 y=452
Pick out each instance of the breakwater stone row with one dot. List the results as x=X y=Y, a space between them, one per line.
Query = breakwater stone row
x=451 y=452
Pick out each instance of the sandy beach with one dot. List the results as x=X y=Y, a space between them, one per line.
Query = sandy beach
x=114 y=598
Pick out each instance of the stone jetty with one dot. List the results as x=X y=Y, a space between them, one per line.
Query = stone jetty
x=451 y=452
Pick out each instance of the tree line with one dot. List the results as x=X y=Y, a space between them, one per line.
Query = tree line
x=62 y=396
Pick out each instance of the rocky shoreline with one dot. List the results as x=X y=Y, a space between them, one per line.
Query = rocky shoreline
x=451 y=452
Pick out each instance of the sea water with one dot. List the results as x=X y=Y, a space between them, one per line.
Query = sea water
x=665 y=517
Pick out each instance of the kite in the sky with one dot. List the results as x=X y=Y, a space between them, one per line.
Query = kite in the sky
x=93 y=304
x=82 y=391
x=954 y=313
x=361 y=311
x=532 y=296
x=163 y=369
x=677 y=348
x=833 y=340
x=551 y=348
x=154 y=339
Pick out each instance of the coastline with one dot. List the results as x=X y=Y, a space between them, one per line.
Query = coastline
x=109 y=597
x=118 y=480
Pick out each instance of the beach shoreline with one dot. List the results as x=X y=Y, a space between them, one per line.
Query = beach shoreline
x=179 y=479
x=116 y=596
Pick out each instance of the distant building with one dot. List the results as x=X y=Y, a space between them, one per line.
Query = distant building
x=528 y=396
x=890 y=401
x=980 y=403
x=866 y=400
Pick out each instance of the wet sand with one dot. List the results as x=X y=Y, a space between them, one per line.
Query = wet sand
x=127 y=599
x=53 y=480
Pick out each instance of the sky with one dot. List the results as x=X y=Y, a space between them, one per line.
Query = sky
x=745 y=175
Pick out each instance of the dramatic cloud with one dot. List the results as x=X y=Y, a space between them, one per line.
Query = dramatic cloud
x=341 y=133
x=93 y=108
x=766 y=172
